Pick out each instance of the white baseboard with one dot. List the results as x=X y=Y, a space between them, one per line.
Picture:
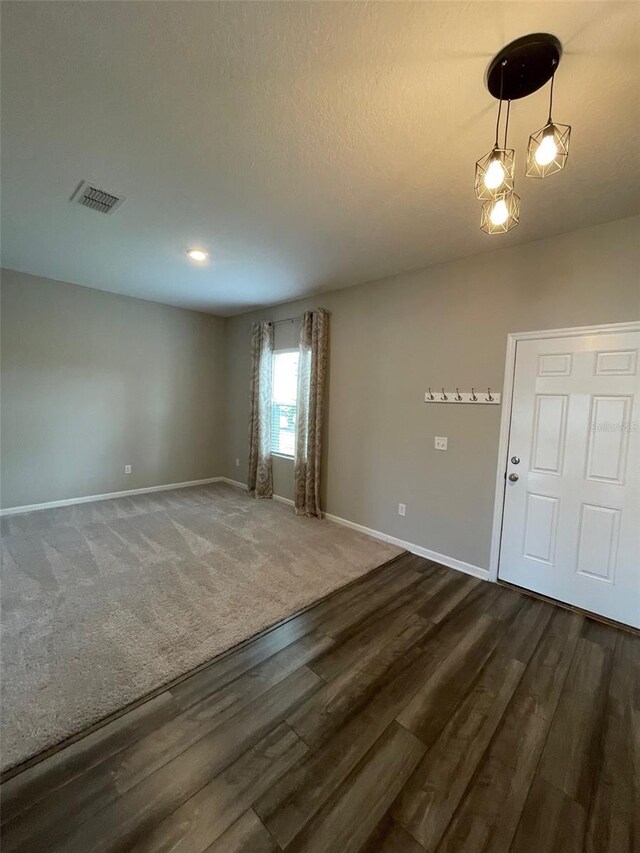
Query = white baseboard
x=233 y=482
x=278 y=498
x=14 y=510
x=451 y=562
x=282 y=500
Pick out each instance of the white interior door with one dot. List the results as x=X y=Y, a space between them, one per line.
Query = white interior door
x=571 y=523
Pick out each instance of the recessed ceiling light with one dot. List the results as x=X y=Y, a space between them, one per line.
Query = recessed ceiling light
x=197 y=254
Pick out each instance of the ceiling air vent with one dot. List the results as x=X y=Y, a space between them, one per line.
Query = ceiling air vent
x=89 y=195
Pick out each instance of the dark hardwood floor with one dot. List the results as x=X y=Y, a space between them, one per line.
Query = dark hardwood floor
x=418 y=709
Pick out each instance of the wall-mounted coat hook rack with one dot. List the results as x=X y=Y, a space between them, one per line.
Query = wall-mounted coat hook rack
x=459 y=397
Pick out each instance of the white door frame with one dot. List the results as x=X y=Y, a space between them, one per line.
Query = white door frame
x=505 y=419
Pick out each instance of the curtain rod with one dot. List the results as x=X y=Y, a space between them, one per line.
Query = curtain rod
x=289 y=319
x=286 y=320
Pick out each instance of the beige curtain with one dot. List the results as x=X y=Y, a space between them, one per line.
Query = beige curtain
x=312 y=369
x=260 y=477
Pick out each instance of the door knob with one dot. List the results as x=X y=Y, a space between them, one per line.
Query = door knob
x=513 y=477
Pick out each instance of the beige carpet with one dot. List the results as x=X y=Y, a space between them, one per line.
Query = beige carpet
x=103 y=602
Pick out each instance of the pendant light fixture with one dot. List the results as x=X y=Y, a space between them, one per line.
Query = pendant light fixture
x=494 y=171
x=518 y=70
x=548 y=147
x=501 y=212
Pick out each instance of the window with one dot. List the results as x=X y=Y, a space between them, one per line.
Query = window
x=283 y=403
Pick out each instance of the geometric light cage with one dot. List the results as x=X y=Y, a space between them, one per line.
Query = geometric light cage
x=507 y=207
x=553 y=161
x=498 y=159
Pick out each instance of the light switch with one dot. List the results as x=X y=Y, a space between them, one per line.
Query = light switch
x=440 y=442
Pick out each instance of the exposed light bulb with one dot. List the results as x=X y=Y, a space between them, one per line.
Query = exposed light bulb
x=499 y=212
x=197 y=254
x=495 y=175
x=547 y=150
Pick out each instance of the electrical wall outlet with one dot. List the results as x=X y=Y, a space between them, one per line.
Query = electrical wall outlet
x=402 y=509
x=237 y=463
x=440 y=442
x=127 y=469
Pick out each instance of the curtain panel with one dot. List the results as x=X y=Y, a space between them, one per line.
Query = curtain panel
x=312 y=369
x=260 y=476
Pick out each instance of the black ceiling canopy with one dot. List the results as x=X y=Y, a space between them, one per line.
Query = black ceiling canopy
x=523 y=66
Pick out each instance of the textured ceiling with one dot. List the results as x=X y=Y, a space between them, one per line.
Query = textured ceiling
x=307 y=146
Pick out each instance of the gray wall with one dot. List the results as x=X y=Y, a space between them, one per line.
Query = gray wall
x=92 y=381
x=446 y=325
